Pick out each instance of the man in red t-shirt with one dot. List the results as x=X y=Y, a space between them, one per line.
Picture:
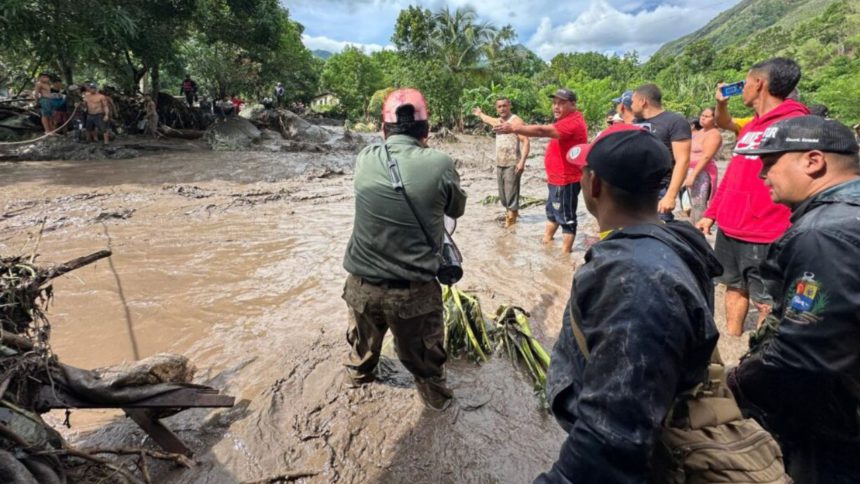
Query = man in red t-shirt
x=749 y=221
x=562 y=178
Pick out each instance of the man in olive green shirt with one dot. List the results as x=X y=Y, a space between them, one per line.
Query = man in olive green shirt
x=392 y=265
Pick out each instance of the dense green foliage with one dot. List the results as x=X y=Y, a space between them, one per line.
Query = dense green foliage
x=748 y=17
x=352 y=75
x=230 y=46
x=827 y=47
x=460 y=62
x=457 y=60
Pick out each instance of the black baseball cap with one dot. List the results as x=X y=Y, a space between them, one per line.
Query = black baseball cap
x=805 y=133
x=626 y=156
x=566 y=94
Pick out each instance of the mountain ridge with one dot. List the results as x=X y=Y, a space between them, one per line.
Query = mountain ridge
x=743 y=20
x=321 y=54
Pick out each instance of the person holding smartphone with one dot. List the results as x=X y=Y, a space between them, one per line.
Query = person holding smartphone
x=723 y=118
x=748 y=220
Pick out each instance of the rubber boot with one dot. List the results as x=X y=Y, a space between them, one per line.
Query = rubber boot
x=355 y=379
x=434 y=393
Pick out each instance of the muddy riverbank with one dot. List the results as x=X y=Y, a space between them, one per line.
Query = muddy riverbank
x=234 y=260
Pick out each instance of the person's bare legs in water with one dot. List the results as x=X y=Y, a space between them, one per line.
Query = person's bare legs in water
x=549 y=232
x=566 y=239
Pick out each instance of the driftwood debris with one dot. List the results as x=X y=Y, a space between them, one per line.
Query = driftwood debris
x=32 y=381
x=175 y=114
x=181 y=133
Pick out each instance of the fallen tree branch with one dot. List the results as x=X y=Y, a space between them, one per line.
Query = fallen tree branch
x=169 y=132
x=179 y=459
x=14 y=437
x=8 y=433
x=19 y=342
x=68 y=451
x=73 y=264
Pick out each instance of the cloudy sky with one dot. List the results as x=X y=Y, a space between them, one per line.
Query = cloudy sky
x=545 y=26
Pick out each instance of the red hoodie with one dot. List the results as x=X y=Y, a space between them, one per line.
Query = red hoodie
x=742 y=205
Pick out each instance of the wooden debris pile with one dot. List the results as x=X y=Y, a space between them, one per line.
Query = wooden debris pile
x=30 y=450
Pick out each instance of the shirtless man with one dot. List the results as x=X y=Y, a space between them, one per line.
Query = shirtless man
x=511 y=153
x=43 y=96
x=98 y=114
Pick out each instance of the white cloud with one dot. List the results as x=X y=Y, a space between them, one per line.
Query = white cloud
x=545 y=26
x=324 y=43
x=604 y=28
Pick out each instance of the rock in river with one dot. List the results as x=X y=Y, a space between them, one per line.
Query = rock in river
x=232 y=134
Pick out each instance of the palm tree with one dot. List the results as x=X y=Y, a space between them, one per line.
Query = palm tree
x=460 y=39
x=499 y=40
x=461 y=43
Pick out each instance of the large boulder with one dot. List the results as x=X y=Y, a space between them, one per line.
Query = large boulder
x=293 y=127
x=232 y=134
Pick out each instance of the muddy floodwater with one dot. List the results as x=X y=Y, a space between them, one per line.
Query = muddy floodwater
x=234 y=260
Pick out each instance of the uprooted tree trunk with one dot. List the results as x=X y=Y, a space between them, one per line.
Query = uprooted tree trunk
x=176 y=114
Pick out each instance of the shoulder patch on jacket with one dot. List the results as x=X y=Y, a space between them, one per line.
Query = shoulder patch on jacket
x=807 y=302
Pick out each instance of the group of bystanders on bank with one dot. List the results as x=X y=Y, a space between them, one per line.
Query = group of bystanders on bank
x=91 y=113
x=86 y=109
x=638 y=334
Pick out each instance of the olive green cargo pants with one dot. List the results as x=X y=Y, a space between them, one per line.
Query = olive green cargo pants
x=413 y=314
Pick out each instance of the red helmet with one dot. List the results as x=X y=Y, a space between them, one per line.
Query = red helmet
x=402 y=97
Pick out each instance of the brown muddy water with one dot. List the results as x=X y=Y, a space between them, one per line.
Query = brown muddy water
x=234 y=260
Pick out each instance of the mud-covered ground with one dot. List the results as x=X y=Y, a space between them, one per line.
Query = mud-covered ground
x=234 y=260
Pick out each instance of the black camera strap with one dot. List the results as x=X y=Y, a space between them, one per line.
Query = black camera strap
x=397 y=184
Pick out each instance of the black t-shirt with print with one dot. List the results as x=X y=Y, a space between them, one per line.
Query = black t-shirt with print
x=667 y=127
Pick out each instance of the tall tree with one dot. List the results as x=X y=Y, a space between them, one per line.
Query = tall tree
x=353 y=77
x=58 y=34
x=413 y=31
x=460 y=39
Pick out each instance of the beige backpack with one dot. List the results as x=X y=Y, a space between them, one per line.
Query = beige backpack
x=706 y=439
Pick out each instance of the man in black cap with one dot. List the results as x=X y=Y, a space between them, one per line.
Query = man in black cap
x=562 y=178
x=801 y=378
x=639 y=327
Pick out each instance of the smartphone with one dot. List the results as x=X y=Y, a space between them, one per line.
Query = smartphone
x=732 y=89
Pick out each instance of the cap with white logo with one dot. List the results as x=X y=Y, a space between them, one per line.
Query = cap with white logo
x=805 y=133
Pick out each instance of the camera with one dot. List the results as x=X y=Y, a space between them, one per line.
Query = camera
x=451 y=268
